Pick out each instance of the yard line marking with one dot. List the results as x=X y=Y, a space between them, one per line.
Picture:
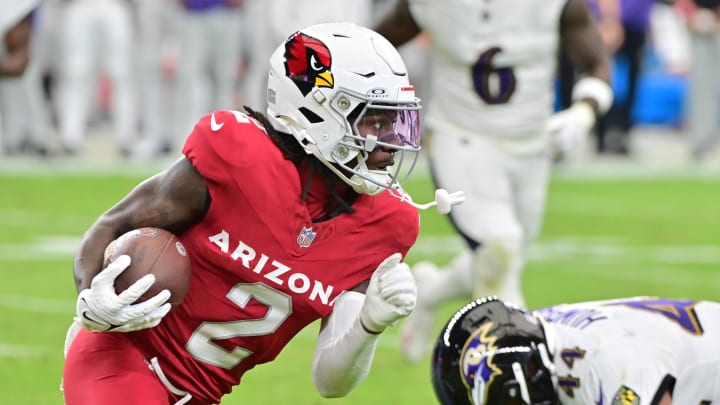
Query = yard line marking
x=657 y=276
x=41 y=219
x=21 y=351
x=44 y=248
x=594 y=249
x=585 y=168
x=655 y=264
x=37 y=304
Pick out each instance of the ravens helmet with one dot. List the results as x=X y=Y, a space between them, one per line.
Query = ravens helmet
x=325 y=82
x=493 y=353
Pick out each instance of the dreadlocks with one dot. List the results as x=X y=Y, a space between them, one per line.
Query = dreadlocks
x=293 y=151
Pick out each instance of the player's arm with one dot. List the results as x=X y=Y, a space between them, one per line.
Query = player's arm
x=581 y=39
x=17 y=45
x=348 y=336
x=398 y=24
x=173 y=200
x=592 y=95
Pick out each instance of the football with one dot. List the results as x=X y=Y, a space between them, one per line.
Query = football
x=156 y=251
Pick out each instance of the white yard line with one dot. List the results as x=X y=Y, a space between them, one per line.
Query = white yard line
x=37 y=304
x=660 y=155
x=594 y=249
x=663 y=260
x=601 y=249
x=40 y=219
x=21 y=351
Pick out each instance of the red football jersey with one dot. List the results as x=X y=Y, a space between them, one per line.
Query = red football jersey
x=262 y=270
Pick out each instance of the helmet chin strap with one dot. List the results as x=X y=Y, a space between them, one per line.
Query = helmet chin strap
x=370 y=184
x=358 y=183
x=443 y=201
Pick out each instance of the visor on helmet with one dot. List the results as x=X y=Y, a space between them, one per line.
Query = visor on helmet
x=393 y=126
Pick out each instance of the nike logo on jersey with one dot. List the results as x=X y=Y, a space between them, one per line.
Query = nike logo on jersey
x=214 y=126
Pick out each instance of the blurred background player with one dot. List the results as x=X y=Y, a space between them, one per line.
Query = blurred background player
x=492 y=134
x=704 y=92
x=625 y=25
x=97 y=40
x=209 y=59
x=636 y=350
x=22 y=123
x=159 y=28
x=266 y=207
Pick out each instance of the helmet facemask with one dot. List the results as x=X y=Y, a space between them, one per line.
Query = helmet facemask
x=372 y=126
x=525 y=378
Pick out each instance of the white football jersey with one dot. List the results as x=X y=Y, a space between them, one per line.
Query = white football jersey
x=493 y=63
x=625 y=351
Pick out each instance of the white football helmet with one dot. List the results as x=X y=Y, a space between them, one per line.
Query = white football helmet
x=328 y=78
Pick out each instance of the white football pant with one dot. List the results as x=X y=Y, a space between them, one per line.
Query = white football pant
x=504 y=204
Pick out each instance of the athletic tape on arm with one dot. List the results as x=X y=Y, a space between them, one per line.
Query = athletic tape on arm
x=596 y=89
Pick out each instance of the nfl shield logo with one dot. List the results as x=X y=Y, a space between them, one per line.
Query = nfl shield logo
x=306 y=237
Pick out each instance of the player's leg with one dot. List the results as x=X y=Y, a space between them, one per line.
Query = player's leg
x=190 y=76
x=106 y=368
x=119 y=55
x=531 y=176
x=12 y=97
x=226 y=28
x=487 y=219
x=702 y=97
x=487 y=222
x=434 y=288
x=77 y=73
x=260 y=43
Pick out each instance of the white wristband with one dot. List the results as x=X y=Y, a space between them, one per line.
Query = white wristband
x=596 y=89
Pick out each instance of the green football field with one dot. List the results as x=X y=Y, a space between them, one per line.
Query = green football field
x=602 y=238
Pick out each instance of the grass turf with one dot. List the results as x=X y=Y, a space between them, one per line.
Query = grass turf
x=602 y=238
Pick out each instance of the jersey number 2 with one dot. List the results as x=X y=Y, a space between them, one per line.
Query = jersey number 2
x=201 y=345
x=494 y=85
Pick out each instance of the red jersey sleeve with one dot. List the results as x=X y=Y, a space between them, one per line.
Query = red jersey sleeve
x=219 y=142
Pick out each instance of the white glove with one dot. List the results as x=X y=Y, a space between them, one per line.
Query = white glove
x=100 y=309
x=390 y=295
x=568 y=128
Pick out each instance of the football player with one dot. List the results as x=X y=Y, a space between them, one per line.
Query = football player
x=493 y=135
x=17 y=71
x=289 y=217
x=639 y=351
